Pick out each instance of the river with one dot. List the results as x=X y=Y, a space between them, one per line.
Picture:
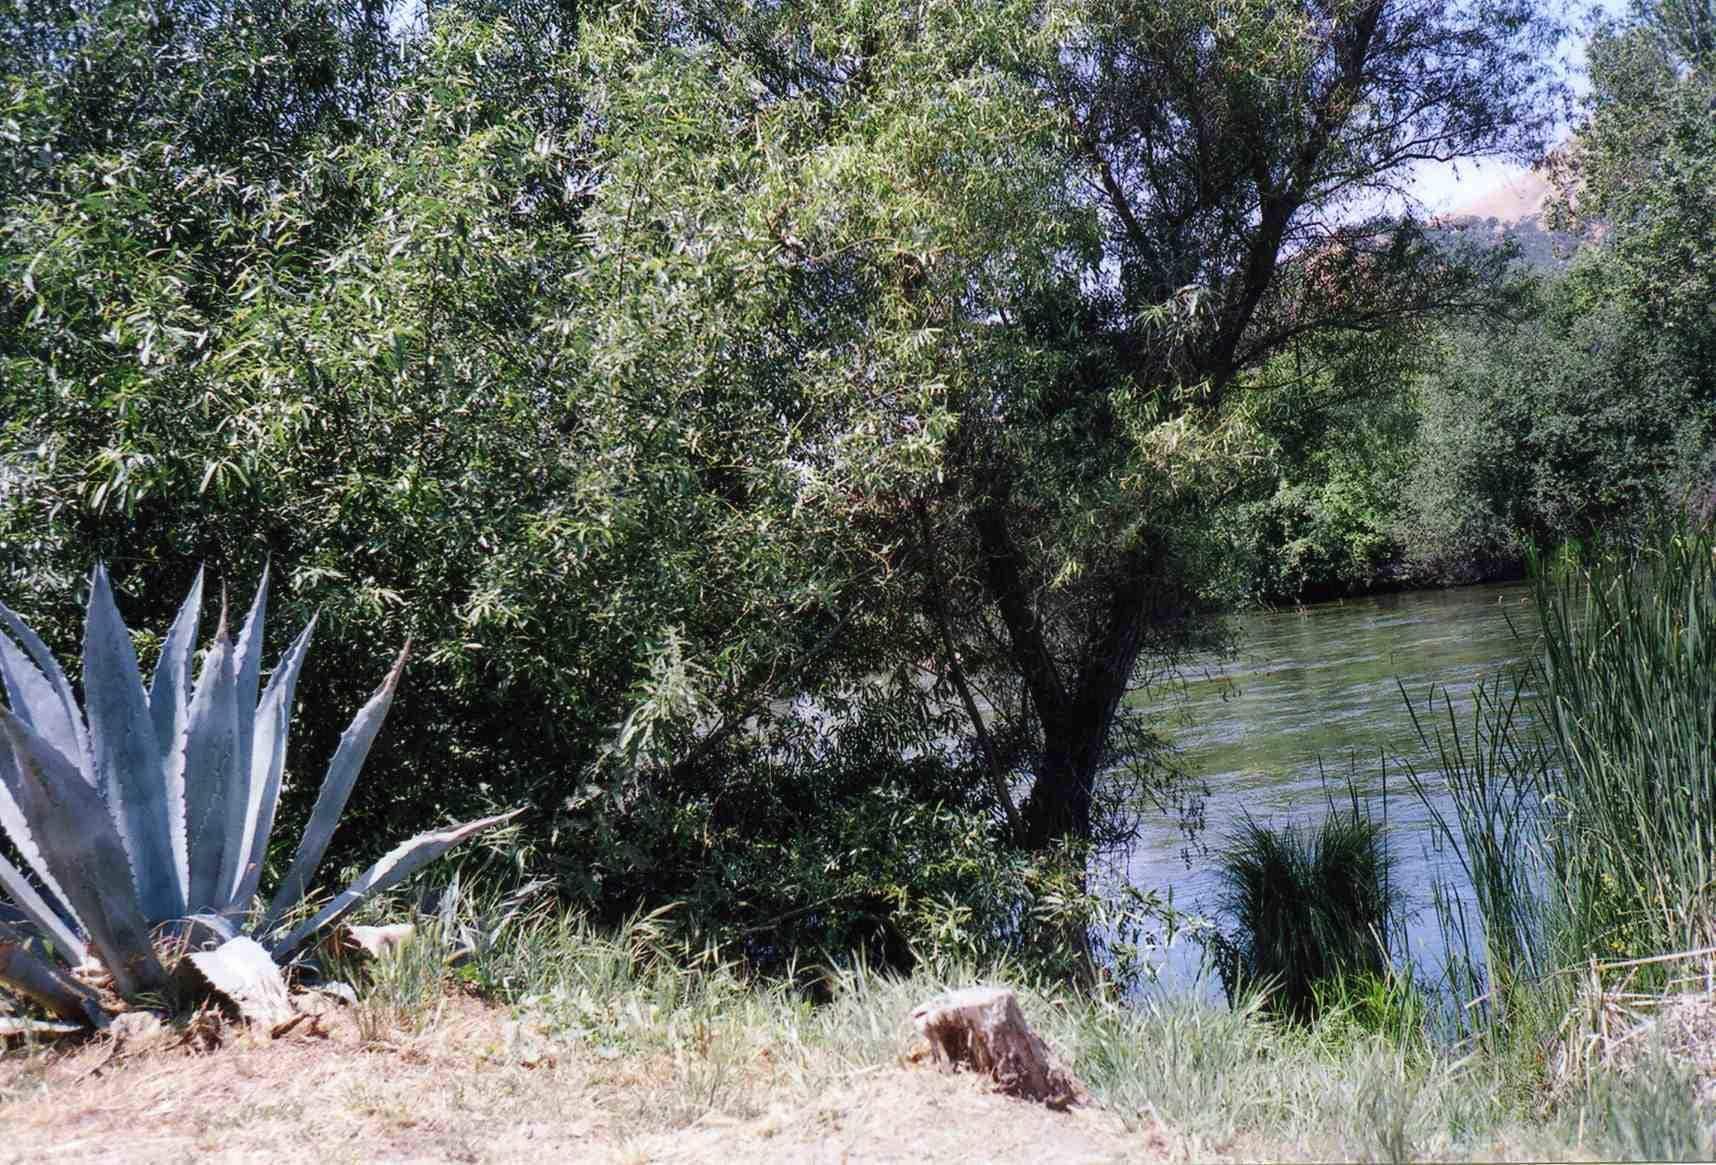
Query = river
x=1317 y=691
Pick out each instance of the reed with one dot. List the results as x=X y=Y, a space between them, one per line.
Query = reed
x=1584 y=789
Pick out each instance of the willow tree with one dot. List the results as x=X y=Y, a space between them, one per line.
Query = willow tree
x=1095 y=219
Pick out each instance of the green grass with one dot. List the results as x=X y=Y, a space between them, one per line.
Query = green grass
x=1585 y=789
x=1363 y=1080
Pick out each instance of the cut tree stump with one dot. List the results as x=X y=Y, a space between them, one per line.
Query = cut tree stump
x=983 y=1030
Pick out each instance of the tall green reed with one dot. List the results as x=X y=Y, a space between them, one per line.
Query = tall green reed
x=1584 y=788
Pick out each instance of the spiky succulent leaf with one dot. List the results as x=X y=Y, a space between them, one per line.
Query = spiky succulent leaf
x=44 y=918
x=207 y=764
x=247 y=675
x=124 y=753
x=39 y=695
x=69 y=821
x=38 y=979
x=399 y=864
x=268 y=763
x=170 y=709
x=17 y=830
x=342 y=774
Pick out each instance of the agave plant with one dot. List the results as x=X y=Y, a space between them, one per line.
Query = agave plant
x=144 y=816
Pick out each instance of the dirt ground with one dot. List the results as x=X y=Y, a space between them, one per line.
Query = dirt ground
x=473 y=1087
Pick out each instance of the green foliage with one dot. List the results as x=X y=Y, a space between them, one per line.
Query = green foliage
x=1310 y=907
x=1389 y=1006
x=1583 y=421
x=1337 y=428
x=1643 y=165
x=681 y=382
x=1595 y=412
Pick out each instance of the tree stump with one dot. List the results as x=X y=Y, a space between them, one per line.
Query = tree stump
x=982 y=1029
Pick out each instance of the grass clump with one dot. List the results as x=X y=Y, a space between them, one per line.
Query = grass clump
x=1311 y=906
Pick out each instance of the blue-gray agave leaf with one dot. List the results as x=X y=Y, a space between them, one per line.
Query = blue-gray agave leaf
x=268 y=763
x=399 y=864
x=160 y=811
x=124 y=754
x=343 y=771
x=69 y=821
x=14 y=826
x=206 y=762
x=42 y=702
x=247 y=673
x=170 y=709
x=44 y=919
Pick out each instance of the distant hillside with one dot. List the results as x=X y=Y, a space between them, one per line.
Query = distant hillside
x=1512 y=211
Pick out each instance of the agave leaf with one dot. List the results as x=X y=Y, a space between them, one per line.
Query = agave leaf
x=241 y=970
x=206 y=763
x=404 y=860
x=331 y=800
x=268 y=762
x=247 y=672
x=170 y=709
x=47 y=921
x=13 y=825
x=42 y=981
x=44 y=704
x=124 y=754
x=69 y=821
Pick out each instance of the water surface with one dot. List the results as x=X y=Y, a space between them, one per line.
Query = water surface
x=1312 y=699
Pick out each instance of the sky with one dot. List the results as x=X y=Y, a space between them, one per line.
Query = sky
x=1451 y=186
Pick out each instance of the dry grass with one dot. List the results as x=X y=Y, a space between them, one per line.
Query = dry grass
x=476 y=1084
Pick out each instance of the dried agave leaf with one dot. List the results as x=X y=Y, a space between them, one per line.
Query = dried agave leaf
x=242 y=971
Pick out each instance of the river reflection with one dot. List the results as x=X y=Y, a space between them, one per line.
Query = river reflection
x=1313 y=696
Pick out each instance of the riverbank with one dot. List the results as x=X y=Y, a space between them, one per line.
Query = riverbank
x=562 y=1042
